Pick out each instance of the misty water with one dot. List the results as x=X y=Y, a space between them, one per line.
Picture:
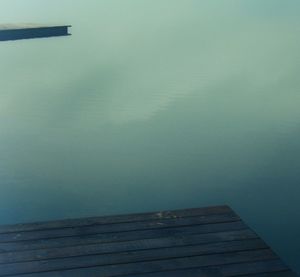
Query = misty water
x=154 y=105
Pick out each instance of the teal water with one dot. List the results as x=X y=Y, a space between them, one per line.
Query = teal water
x=154 y=105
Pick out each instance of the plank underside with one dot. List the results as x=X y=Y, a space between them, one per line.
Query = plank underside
x=210 y=242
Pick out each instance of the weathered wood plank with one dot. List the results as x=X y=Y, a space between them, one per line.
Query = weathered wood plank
x=122 y=236
x=257 y=269
x=109 y=228
x=71 y=223
x=210 y=242
x=190 y=272
x=285 y=273
x=162 y=265
x=16 y=32
x=134 y=245
x=131 y=256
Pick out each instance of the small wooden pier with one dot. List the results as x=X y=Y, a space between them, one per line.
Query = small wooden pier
x=205 y=242
x=28 y=31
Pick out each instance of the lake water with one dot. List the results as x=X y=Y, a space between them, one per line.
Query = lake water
x=154 y=105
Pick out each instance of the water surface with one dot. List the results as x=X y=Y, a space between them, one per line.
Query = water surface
x=154 y=105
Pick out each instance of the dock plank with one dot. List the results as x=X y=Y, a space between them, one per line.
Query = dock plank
x=210 y=242
x=78 y=222
x=133 y=245
x=163 y=265
x=117 y=227
x=285 y=273
x=253 y=269
x=29 y=31
x=121 y=236
x=131 y=256
x=191 y=272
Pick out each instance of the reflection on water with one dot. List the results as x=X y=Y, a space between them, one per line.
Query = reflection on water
x=154 y=105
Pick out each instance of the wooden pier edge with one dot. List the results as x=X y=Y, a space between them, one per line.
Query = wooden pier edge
x=30 y=31
x=208 y=242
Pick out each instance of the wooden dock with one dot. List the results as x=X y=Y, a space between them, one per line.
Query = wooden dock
x=28 y=31
x=205 y=242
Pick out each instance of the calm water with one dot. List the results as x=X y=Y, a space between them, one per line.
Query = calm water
x=154 y=105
